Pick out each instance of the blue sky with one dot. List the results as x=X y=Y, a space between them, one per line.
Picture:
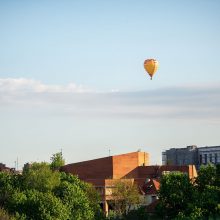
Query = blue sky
x=72 y=77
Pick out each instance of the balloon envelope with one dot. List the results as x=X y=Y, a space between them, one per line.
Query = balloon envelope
x=151 y=66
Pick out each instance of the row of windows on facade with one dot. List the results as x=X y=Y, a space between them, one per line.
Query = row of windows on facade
x=205 y=158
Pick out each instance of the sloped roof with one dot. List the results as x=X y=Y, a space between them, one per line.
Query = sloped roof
x=156 y=184
x=151 y=187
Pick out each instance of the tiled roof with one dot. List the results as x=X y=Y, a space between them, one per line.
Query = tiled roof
x=156 y=184
x=151 y=187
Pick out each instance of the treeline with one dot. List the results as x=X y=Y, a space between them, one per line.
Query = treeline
x=41 y=192
x=182 y=198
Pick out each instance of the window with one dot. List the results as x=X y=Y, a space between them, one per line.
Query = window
x=210 y=158
x=200 y=159
x=216 y=158
x=205 y=158
x=164 y=158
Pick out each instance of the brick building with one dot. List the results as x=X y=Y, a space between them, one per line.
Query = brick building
x=133 y=167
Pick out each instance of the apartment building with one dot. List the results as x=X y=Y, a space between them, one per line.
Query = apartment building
x=192 y=155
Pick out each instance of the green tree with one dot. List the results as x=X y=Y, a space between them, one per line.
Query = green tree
x=208 y=189
x=182 y=199
x=176 y=196
x=206 y=177
x=76 y=200
x=32 y=204
x=92 y=197
x=36 y=198
x=94 y=200
x=4 y=215
x=138 y=214
x=57 y=161
x=8 y=184
x=42 y=193
x=39 y=176
x=217 y=180
x=125 y=194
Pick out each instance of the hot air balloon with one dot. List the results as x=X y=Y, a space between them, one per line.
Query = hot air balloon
x=151 y=66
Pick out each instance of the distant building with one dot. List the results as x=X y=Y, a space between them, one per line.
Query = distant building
x=209 y=155
x=3 y=168
x=134 y=167
x=191 y=155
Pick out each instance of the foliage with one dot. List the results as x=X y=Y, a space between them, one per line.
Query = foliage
x=94 y=200
x=45 y=194
x=207 y=184
x=39 y=176
x=4 y=215
x=34 y=204
x=7 y=183
x=125 y=194
x=217 y=179
x=41 y=192
x=90 y=192
x=57 y=161
x=137 y=214
x=206 y=177
x=176 y=194
x=75 y=199
x=180 y=198
x=113 y=215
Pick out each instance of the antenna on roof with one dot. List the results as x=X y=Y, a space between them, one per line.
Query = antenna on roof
x=109 y=152
x=16 y=164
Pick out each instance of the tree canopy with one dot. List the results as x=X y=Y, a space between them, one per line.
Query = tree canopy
x=43 y=193
x=182 y=198
x=57 y=161
x=124 y=195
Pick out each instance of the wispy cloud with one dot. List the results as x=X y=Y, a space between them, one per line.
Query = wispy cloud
x=10 y=85
x=183 y=102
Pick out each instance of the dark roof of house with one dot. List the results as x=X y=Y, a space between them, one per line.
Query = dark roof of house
x=151 y=187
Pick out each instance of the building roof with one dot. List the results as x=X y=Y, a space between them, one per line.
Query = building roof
x=151 y=186
x=130 y=166
x=3 y=168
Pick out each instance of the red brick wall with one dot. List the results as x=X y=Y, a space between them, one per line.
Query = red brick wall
x=109 y=167
x=155 y=171
x=125 y=165
x=91 y=169
x=143 y=159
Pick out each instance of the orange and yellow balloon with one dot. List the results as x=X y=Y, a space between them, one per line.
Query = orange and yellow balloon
x=151 y=66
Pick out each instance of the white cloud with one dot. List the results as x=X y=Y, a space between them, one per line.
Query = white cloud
x=29 y=85
x=184 y=102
